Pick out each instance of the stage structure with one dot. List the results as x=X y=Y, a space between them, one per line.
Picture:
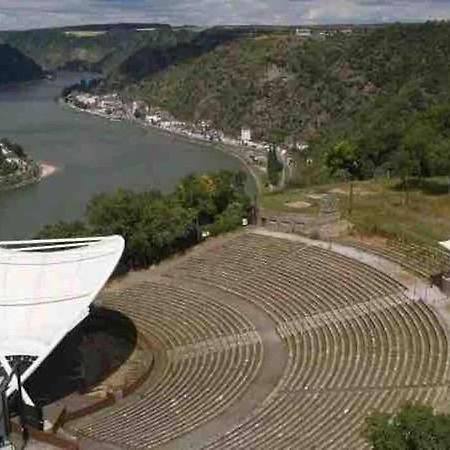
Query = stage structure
x=46 y=289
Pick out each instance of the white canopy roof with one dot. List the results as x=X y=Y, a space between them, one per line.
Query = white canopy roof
x=46 y=288
x=445 y=244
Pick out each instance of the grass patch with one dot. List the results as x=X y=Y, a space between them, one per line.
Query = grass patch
x=284 y=202
x=379 y=207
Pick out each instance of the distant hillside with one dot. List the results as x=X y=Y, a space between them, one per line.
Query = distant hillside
x=150 y=60
x=373 y=87
x=279 y=85
x=16 y=67
x=98 y=48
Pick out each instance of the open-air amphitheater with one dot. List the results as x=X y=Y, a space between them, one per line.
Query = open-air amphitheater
x=272 y=341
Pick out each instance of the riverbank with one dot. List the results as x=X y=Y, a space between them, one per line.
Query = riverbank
x=235 y=151
x=16 y=182
x=238 y=152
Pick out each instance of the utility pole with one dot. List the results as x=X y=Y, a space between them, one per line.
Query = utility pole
x=350 y=198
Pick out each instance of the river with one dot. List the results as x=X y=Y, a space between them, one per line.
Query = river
x=93 y=154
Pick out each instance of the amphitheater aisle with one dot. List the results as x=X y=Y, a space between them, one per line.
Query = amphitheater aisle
x=266 y=340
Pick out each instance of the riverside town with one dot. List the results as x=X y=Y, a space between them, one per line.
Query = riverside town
x=113 y=107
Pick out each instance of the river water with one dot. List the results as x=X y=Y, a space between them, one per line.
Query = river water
x=93 y=154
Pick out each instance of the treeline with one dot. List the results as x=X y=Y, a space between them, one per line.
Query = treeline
x=156 y=226
x=417 y=145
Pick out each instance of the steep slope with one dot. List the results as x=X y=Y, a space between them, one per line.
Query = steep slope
x=374 y=86
x=280 y=86
x=283 y=86
x=16 y=67
x=87 y=49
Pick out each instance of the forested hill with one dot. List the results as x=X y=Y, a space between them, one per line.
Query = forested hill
x=97 y=48
x=16 y=67
x=370 y=86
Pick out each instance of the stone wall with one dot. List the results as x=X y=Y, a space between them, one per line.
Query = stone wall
x=322 y=226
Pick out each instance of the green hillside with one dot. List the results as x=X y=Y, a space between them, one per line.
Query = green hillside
x=372 y=87
x=16 y=67
x=275 y=84
x=84 y=49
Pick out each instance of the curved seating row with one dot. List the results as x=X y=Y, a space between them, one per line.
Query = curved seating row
x=343 y=368
x=339 y=372
x=194 y=386
x=355 y=343
x=421 y=260
x=234 y=259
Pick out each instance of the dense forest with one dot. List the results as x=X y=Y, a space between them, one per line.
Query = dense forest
x=385 y=91
x=16 y=67
x=89 y=49
x=156 y=226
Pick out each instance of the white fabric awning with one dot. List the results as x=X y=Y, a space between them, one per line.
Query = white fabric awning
x=445 y=244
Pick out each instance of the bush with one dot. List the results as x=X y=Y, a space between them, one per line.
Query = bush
x=156 y=226
x=414 y=427
x=228 y=220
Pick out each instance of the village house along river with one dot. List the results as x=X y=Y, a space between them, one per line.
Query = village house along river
x=94 y=155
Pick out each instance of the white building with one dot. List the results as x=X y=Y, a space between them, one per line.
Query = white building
x=87 y=99
x=46 y=288
x=153 y=118
x=246 y=135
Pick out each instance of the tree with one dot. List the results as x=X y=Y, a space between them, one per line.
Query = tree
x=228 y=220
x=405 y=165
x=414 y=427
x=440 y=159
x=344 y=157
x=196 y=194
x=274 y=167
x=155 y=225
